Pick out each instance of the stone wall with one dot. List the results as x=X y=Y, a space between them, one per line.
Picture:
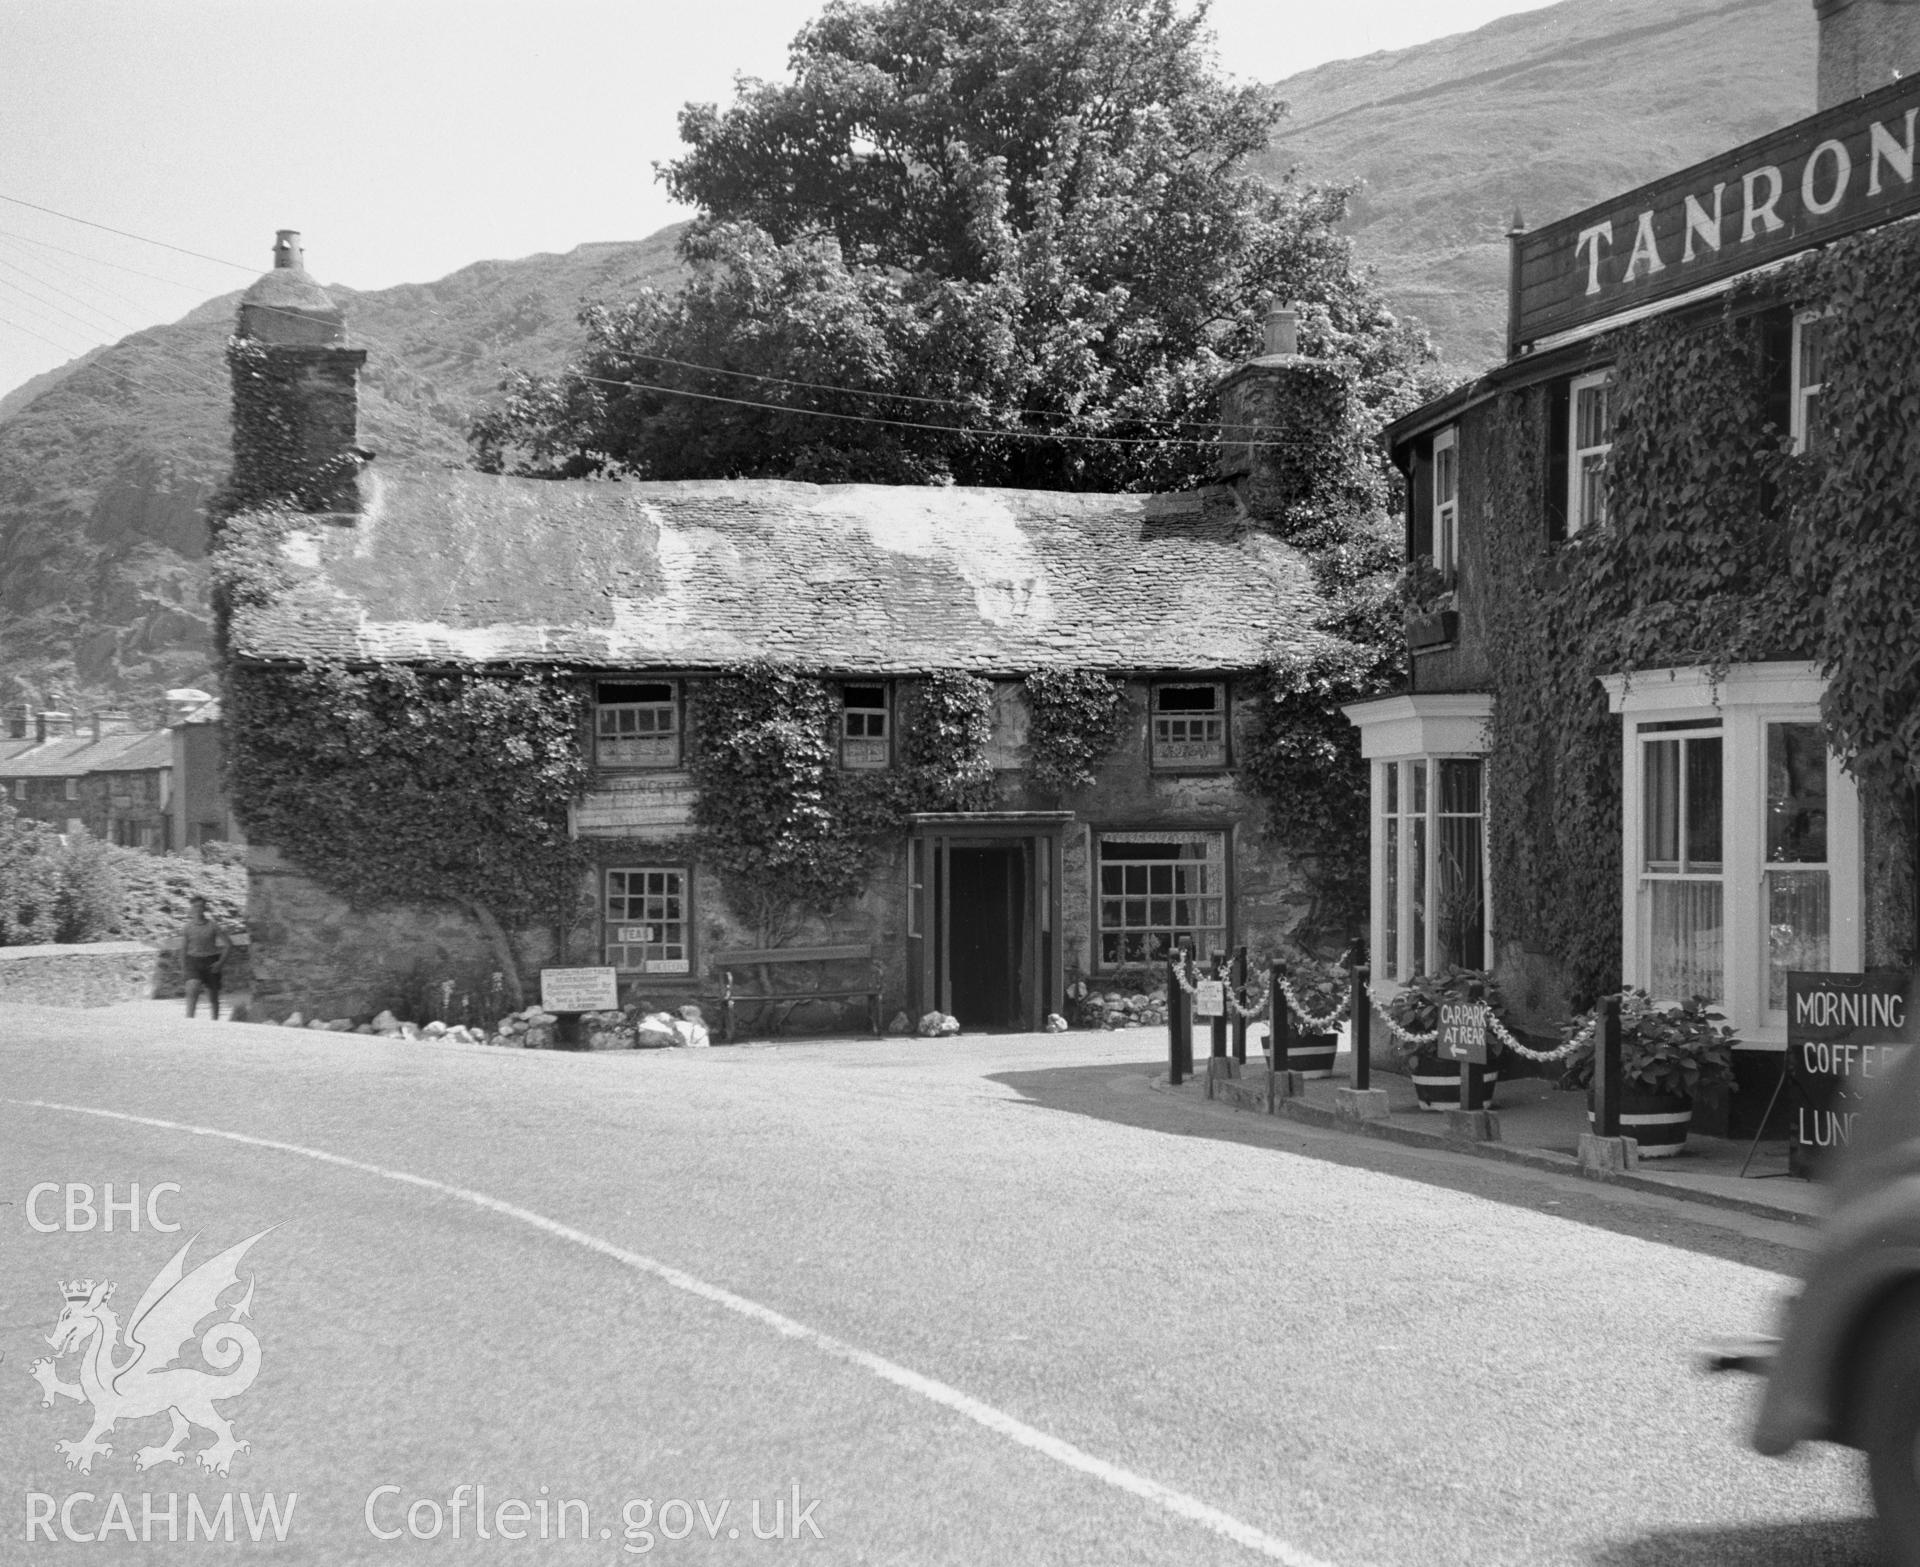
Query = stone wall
x=97 y=974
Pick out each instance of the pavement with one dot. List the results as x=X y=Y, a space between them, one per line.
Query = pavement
x=1536 y=1124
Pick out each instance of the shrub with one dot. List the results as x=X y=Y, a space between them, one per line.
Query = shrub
x=1675 y=1050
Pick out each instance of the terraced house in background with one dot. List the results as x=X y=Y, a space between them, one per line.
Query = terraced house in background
x=1660 y=726
x=636 y=597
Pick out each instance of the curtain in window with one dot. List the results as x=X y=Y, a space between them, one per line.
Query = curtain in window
x=1460 y=894
x=1686 y=933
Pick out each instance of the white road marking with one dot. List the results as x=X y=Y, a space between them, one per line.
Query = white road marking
x=1061 y=1452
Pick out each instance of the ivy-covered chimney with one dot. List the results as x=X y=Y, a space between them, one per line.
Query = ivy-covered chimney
x=1285 y=425
x=295 y=394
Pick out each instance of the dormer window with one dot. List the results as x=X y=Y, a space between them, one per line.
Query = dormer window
x=1590 y=438
x=1446 y=503
x=1189 y=726
x=866 y=728
x=637 y=723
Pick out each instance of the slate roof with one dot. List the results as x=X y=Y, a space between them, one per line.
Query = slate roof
x=454 y=566
x=138 y=752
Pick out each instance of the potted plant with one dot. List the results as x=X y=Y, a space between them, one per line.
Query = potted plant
x=1432 y=620
x=1667 y=1055
x=1416 y=1009
x=1319 y=988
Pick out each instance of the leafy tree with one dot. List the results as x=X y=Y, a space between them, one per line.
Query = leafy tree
x=1030 y=220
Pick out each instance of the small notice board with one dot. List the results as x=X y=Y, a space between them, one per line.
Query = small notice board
x=1210 y=998
x=1463 y=1031
x=578 y=990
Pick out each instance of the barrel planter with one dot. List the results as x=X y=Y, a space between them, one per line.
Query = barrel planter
x=1311 y=1055
x=1436 y=1082
x=1657 y=1122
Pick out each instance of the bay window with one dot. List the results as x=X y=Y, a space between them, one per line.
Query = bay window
x=1742 y=839
x=1429 y=834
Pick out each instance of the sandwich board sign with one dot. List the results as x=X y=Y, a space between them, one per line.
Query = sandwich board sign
x=1844 y=1033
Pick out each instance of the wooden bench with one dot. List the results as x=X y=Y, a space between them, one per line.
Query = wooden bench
x=725 y=963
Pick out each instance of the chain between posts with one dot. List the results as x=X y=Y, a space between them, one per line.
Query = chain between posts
x=1499 y=1029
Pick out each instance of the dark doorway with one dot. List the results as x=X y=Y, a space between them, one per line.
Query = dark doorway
x=987 y=942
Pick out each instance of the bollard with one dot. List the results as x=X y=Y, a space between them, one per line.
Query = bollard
x=1608 y=1076
x=1468 y=1081
x=1217 y=1029
x=1173 y=1021
x=1360 y=1011
x=1236 y=987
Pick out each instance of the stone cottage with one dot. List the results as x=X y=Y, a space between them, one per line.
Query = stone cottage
x=641 y=592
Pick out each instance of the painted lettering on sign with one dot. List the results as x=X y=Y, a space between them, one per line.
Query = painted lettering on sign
x=1210 y=998
x=1843 y=1034
x=579 y=990
x=1463 y=1031
x=1848 y=168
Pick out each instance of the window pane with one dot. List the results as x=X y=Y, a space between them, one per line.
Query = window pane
x=1813 y=353
x=1592 y=424
x=1686 y=940
x=1390 y=934
x=1796 y=794
x=1390 y=776
x=1171 y=888
x=1444 y=474
x=1662 y=804
x=1417 y=869
x=1460 y=786
x=1799 y=928
x=1703 y=804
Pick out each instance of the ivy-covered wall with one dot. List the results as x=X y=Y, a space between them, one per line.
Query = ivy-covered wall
x=1722 y=546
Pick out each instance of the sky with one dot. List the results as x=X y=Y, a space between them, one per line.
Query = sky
x=405 y=138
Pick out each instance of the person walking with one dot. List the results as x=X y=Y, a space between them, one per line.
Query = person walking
x=204 y=945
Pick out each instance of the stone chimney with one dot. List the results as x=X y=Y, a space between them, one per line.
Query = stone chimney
x=295 y=390
x=111 y=721
x=19 y=719
x=183 y=702
x=52 y=726
x=1285 y=421
x=1864 y=44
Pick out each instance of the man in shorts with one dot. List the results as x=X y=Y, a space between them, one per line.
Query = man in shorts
x=204 y=946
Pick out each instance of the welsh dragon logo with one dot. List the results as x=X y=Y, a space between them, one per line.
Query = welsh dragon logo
x=146 y=1381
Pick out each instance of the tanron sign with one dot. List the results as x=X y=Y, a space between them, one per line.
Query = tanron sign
x=1844 y=1031
x=1849 y=167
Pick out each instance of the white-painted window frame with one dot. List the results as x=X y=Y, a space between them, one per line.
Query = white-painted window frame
x=1806 y=392
x=1579 y=519
x=1446 y=501
x=1746 y=699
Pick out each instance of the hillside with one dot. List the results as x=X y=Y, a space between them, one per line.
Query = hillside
x=106 y=464
x=1548 y=112
x=105 y=472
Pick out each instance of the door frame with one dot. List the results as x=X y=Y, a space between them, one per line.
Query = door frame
x=931 y=836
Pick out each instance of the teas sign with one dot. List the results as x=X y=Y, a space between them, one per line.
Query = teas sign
x=1844 y=1031
x=1463 y=1031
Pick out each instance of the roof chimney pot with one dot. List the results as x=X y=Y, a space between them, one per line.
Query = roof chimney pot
x=1282 y=330
x=287 y=251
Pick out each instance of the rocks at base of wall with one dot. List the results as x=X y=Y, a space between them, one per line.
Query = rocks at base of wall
x=1110 y=1009
x=93 y=974
x=938 y=1025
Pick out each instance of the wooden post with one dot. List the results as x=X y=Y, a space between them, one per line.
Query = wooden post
x=1173 y=1020
x=1237 y=984
x=1608 y=1077
x=1282 y=1025
x=1189 y=971
x=1217 y=1034
x=1467 y=1081
x=1276 y=1004
x=1360 y=1010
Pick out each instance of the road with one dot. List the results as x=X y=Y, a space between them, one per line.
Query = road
x=987 y=1300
